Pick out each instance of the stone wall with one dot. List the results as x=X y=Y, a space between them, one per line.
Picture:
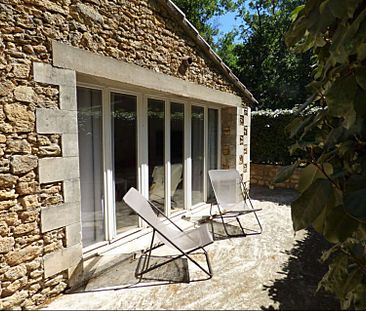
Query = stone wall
x=263 y=175
x=135 y=31
x=236 y=128
x=22 y=245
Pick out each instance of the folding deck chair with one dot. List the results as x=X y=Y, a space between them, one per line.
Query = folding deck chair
x=168 y=233
x=233 y=201
x=157 y=189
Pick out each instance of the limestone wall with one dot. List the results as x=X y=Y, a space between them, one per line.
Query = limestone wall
x=263 y=175
x=136 y=31
x=235 y=140
x=22 y=246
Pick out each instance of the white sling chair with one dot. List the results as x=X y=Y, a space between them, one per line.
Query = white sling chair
x=232 y=200
x=168 y=233
x=157 y=189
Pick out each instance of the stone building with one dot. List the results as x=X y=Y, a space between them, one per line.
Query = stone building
x=98 y=96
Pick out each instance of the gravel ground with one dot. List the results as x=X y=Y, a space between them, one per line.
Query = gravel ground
x=274 y=270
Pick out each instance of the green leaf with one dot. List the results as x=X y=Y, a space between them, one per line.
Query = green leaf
x=361 y=52
x=338 y=225
x=352 y=280
x=361 y=77
x=333 y=280
x=311 y=173
x=295 y=34
x=310 y=204
x=285 y=173
x=297 y=125
x=355 y=203
x=342 y=8
x=319 y=222
x=323 y=6
x=355 y=299
x=360 y=234
x=340 y=99
x=333 y=137
x=295 y=13
x=359 y=103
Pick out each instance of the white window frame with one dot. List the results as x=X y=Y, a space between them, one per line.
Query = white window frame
x=143 y=157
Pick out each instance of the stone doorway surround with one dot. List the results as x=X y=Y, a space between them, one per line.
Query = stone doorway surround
x=66 y=168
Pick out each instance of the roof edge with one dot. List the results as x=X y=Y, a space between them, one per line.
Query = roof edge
x=212 y=55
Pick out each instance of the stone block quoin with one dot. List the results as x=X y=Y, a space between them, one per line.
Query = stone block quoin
x=65 y=169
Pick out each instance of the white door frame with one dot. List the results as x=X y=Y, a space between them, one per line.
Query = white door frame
x=143 y=156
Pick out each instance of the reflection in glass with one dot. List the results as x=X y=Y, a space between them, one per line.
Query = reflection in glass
x=156 y=119
x=213 y=116
x=197 y=154
x=125 y=156
x=177 y=155
x=89 y=103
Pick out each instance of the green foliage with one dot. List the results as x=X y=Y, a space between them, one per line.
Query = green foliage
x=269 y=142
x=200 y=13
x=226 y=49
x=272 y=72
x=333 y=185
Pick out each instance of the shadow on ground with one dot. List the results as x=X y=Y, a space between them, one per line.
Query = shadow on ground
x=280 y=196
x=297 y=290
x=303 y=271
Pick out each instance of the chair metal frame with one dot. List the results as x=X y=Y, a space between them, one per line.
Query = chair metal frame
x=222 y=214
x=148 y=252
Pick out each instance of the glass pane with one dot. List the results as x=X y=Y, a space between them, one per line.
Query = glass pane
x=197 y=154
x=177 y=155
x=91 y=165
x=125 y=156
x=156 y=119
x=213 y=116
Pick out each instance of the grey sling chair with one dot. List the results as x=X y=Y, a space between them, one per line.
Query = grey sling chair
x=168 y=233
x=232 y=200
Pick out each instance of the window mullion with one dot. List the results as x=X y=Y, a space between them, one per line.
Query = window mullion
x=142 y=150
x=187 y=156
x=109 y=204
x=205 y=154
x=167 y=160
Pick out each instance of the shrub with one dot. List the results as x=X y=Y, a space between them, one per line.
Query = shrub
x=269 y=141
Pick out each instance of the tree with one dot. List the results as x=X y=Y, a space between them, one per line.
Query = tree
x=273 y=73
x=225 y=47
x=333 y=182
x=200 y=13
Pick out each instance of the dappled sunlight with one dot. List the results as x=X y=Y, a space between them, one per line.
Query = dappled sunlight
x=273 y=270
x=297 y=280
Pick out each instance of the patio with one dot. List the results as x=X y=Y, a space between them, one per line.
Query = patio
x=274 y=270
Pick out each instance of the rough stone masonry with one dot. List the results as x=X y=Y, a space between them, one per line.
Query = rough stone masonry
x=139 y=32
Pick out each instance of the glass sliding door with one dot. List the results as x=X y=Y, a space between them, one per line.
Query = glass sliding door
x=176 y=141
x=156 y=147
x=212 y=147
x=124 y=123
x=177 y=155
x=197 y=154
x=89 y=103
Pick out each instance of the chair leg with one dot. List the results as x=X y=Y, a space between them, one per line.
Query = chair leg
x=244 y=233
x=247 y=197
x=146 y=261
x=209 y=272
x=241 y=227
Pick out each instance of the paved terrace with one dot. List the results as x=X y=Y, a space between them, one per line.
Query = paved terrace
x=274 y=270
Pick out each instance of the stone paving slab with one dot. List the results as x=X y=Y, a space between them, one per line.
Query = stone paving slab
x=274 y=270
